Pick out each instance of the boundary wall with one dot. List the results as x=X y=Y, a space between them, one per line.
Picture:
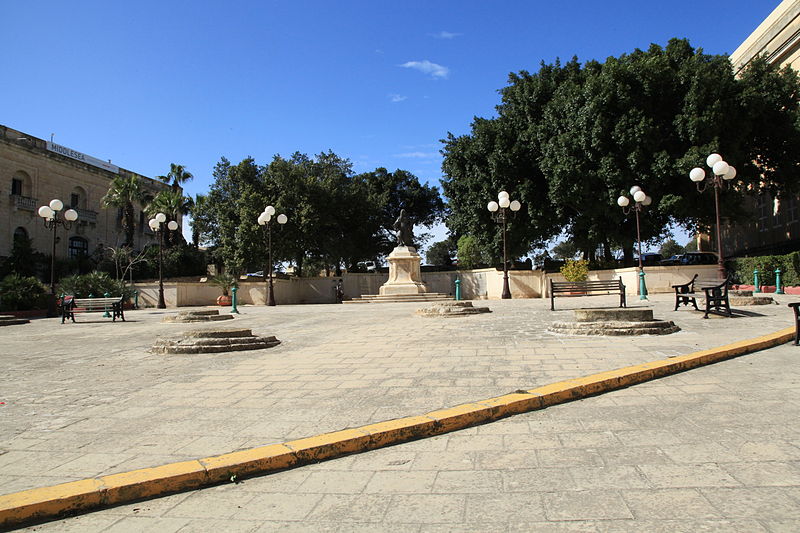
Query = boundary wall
x=479 y=284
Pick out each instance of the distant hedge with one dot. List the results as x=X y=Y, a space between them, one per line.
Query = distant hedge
x=766 y=264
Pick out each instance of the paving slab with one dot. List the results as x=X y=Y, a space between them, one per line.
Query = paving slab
x=75 y=396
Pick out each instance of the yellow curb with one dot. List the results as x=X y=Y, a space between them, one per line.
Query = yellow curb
x=59 y=500
x=262 y=459
x=47 y=502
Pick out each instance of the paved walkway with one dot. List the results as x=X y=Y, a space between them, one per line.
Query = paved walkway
x=87 y=399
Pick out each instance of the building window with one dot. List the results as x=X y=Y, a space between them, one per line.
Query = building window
x=791 y=210
x=78 y=246
x=20 y=233
x=763 y=210
x=21 y=184
x=74 y=200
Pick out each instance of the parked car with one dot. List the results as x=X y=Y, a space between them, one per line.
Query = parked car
x=259 y=274
x=369 y=266
x=674 y=260
x=699 y=258
x=650 y=259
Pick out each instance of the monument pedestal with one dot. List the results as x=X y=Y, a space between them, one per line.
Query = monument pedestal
x=404 y=273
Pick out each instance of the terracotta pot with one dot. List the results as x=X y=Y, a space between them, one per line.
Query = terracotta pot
x=224 y=300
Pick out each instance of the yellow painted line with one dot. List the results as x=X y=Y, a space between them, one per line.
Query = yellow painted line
x=80 y=496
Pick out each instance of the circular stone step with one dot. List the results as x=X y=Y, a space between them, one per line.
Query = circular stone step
x=452 y=309
x=197 y=316
x=739 y=292
x=616 y=314
x=750 y=300
x=214 y=341
x=649 y=327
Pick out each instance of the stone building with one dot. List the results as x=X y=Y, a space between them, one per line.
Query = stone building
x=775 y=228
x=34 y=171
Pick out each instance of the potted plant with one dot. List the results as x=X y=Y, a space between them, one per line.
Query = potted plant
x=225 y=282
x=575 y=270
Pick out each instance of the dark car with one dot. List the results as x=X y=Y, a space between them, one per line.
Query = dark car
x=650 y=259
x=699 y=258
x=674 y=260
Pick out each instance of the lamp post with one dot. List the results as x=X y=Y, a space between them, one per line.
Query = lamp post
x=156 y=224
x=51 y=221
x=265 y=220
x=641 y=200
x=722 y=174
x=499 y=210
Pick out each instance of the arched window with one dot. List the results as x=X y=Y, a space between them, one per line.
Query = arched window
x=21 y=184
x=20 y=233
x=77 y=198
x=78 y=246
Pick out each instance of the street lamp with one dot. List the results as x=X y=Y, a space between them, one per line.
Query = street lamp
x=51 y=221
x=156 y=224
x=641 y=200
x=499 y=210
x=723 y=173
x=265 y=220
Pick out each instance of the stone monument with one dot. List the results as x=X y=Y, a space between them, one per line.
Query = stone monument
x=404 y=261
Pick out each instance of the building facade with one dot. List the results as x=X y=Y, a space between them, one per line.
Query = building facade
x=34 y=171
x=775 y=225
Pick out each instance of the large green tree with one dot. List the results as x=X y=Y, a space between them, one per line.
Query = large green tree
x=568 y=140
x=336 y=218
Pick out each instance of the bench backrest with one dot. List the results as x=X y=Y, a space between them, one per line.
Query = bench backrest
x=598 y=285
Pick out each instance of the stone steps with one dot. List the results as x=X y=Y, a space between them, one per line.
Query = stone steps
x=9 y=320
x=214 y=341
x=399 y=298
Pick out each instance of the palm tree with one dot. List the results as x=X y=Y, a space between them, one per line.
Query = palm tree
x=173 y=204
x=122 y=193
x=177 y=176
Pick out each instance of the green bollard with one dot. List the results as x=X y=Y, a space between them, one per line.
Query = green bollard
x=458 y=289
x=778 y=288
x=756 y=286
x=642 y=286
x=234 y=290
x=106 y=314
x=136 y=299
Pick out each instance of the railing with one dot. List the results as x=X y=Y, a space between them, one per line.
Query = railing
x=23 y=202
x=86 y=215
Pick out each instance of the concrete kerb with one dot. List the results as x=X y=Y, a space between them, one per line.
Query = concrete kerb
x=79 y=496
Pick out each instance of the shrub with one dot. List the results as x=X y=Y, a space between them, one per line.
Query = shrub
x=95 y=284
x=742 y=269
x=18 y=293
x=575 y=270
x=225 y=282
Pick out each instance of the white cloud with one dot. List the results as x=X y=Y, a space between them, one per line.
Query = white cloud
x=394 y=98
x=446 y=35
x=426 y=67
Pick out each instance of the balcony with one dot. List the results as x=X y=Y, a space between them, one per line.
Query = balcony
x=86 y=215
x=24 y=203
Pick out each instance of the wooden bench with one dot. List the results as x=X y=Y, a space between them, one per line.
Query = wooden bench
x=586 y=288
x=715 y=294
x=685 y=295
x=71 y=305
x=794 y=306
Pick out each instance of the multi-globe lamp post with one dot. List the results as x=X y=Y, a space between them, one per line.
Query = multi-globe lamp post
x=722 y=174
x=156 y=224
x=641 y=200
x=51 y=221
x=265 y=220
x=499 y=211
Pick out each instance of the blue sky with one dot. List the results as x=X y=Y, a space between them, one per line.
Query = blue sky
x=148 y=83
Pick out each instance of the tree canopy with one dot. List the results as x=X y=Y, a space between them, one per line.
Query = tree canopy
x=336 y=218
x=569 y=139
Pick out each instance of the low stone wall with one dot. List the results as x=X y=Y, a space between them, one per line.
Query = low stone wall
x=479 y=284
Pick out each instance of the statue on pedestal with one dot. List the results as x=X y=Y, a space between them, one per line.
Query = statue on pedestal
x=404 y=229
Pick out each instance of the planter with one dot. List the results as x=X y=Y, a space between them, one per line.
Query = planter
x=224 y=300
